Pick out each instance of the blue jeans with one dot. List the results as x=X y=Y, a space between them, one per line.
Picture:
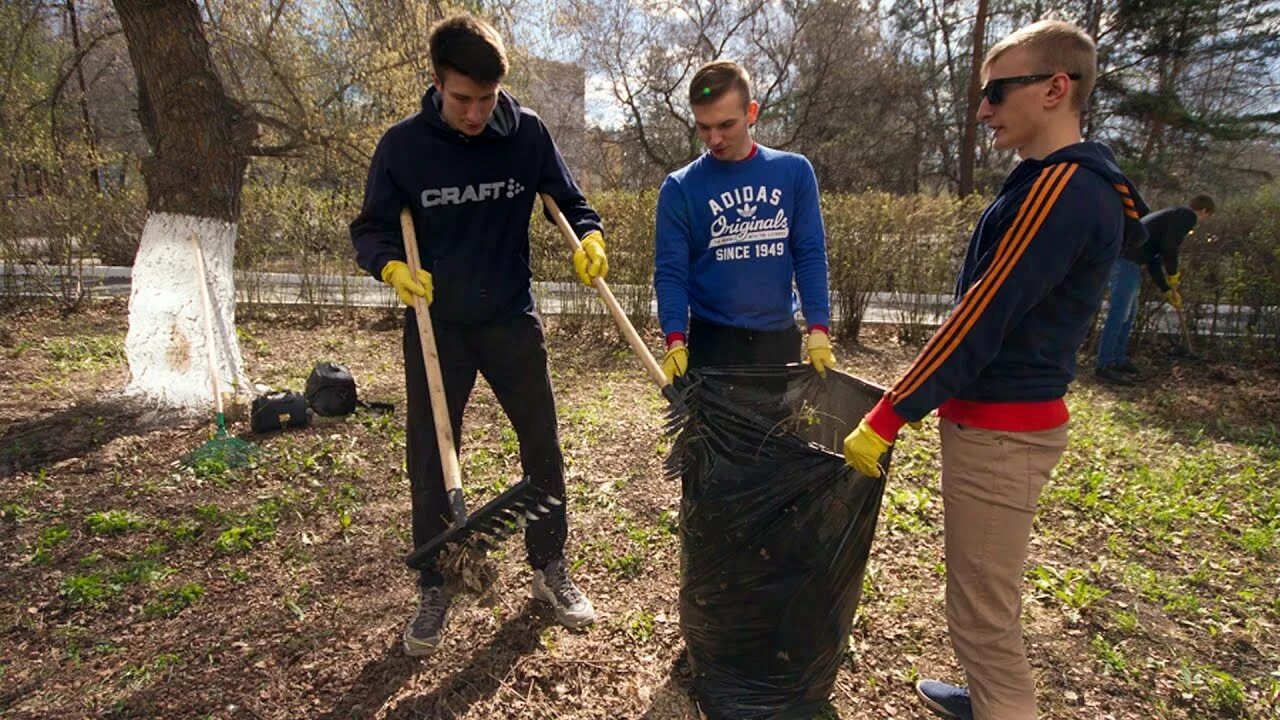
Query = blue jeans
x=1113 y=345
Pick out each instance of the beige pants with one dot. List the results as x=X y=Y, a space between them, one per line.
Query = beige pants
x=991 y=481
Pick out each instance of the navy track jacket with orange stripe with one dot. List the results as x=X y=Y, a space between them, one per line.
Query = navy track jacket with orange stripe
x=1033 y=277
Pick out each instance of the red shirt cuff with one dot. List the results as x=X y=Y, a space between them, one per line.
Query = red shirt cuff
x=673 y=337
x=885 y=420
x=820 y=328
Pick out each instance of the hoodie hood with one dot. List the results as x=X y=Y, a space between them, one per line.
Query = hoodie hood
x=1099 y=159
x=504 y=121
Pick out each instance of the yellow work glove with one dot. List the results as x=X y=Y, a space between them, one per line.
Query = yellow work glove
x=397 y=275
x=1175 y=279
x=676 y=361
x=817 y=348
x=1174 y=298
x=589 y=261
x=863 y=448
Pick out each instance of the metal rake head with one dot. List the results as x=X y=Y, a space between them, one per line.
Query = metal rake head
x=487 y=527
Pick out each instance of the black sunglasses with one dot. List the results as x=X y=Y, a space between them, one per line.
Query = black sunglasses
x=994 y=90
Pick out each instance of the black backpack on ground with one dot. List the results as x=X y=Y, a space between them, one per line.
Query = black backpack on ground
x=331 y=391
x=279 y=410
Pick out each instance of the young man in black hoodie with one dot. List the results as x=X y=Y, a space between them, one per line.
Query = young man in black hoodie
x=468 y=166
x=998 y=368
x=1166 y=229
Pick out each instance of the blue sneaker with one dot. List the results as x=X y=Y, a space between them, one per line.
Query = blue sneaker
x=945 y=700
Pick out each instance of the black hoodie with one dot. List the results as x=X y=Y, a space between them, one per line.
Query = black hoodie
x=1033 y=277
x=1166 y=229
x=471 y=199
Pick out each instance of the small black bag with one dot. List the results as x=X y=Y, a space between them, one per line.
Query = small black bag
x=279 y=410
x=331 y=391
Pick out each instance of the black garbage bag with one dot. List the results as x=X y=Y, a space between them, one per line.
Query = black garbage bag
x=775 y=533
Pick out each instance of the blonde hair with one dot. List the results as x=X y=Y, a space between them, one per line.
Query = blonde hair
x=1055 y=46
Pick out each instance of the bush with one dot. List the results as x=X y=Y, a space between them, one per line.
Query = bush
x=1233 y=261
x=629 y=237
x=907 y=246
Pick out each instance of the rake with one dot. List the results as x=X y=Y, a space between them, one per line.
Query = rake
x=651 y=366
x=1185 y=350
x=231 y=452
x=497 y=519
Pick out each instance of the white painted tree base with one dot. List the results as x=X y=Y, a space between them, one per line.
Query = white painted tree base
x=168 y=360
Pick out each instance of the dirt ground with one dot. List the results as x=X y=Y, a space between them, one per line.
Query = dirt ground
x=135 y=587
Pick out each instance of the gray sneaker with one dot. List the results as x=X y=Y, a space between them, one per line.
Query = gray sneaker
x=553 y=585
x=422 y=633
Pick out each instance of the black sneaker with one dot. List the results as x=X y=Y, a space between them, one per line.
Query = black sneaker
x=945 y=700
x=553 y=585
x=1113 y=376
x=1127 y=368
x=422 y=633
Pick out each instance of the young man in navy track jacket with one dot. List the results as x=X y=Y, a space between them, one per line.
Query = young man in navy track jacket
x=734 y=228
x=468 y=166
x=998 y=367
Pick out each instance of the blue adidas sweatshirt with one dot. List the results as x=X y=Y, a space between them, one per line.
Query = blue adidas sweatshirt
x=471 y=199
x=1033 y=277
x=732 y=235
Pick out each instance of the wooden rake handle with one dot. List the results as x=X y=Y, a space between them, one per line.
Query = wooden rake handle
x=619 y=317
x=435 y=381
x=206 y=311
x=1182 y=323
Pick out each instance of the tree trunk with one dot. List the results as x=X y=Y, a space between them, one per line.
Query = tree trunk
x=969 y=139
x=200 y=141
x=90 y=137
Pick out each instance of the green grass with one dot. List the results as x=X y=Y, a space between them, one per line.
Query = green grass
x=88 y=590
x=910 y=509
x=1180 y=530
x=639 y=626
x=48 y=540
x=84 y=352
x=1111 y=657
x=172 y=601
x=96 y=588
x=159 y=667
x=249 y=529
x=14 y=512
x=113 y=522
x=1071 y=587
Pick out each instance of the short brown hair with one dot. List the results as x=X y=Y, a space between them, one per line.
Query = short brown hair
x=1055 y=46
x=716 y=78
x=466 y=44
x=1202 y=202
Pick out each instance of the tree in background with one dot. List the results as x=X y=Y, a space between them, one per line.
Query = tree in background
x=1193 y=90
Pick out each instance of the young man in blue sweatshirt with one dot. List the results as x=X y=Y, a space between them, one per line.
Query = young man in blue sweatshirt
x=734 y=228
x=998 y=367
x=468 y=166
x=1166 y=229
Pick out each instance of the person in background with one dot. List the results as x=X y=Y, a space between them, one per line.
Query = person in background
x=1166 y=229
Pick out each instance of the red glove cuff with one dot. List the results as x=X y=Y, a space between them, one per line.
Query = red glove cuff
x=674 y=337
